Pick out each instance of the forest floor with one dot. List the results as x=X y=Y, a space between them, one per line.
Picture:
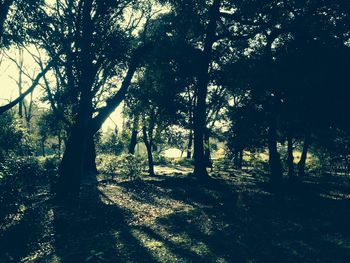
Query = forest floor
x=174 y=218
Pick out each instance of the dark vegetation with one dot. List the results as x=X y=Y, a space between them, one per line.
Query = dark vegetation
x=253 y=94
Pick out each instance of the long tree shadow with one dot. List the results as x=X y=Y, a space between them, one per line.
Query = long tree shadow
x=28 y=234
x=308 y=228
x=96 y=232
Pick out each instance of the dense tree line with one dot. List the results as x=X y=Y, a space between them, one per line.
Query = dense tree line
x=257 y=75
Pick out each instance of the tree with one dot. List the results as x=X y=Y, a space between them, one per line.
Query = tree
x=95 y=48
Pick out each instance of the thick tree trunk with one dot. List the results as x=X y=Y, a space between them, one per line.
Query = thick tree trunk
x=290 y=157
x=189 y=145
x=90 y=158
x=148 y=144
x=71 y=168
x=274 y=157
x=133 y=141
x=199 y=121
x=302 y=162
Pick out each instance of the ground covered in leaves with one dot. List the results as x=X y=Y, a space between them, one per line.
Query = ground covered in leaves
x=175 y=218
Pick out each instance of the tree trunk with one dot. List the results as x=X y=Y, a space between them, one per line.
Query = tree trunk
x=189 y=145
x=207 y=149
x=148 y=144
x=290 y=157
x=199 y=121
x=59 y=144
x=235 y=158
x=133 y=141
x=274 y=157
x=71 y=168
x=302 y=162
x=240 y=159
x=90 y=158
x=43 y=148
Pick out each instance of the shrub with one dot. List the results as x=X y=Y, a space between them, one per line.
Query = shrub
x=160 y=159
x=50 y=166
x=126 y=166
x=131 y=166
x=182 y=161
x=107 y=164
x=17 y=179
x=259 y=164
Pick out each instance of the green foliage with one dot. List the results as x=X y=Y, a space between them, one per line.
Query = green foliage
x=111 y=143
x=50 y=165
x=259 y=164
x=17 y=179
x=131 y=166
x=160 y=159
x=126 y=166
x=182 y=162
x=11 y=133
x=107 y=163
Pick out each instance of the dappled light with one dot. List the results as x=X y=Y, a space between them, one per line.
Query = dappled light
x=174 y=131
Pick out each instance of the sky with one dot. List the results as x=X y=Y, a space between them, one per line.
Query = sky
x=9 y=89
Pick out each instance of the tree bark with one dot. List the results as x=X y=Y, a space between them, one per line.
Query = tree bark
x=189 y=145
x=290 y=157
x=148 y=144
x=302 y=162
x=43 y=148
x=207 y=149
x=199 y=121
x=274 y=157
x=133 y=141
x=90 y=160
x=240 y=159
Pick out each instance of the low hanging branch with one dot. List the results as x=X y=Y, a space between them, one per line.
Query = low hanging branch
x=28 y=91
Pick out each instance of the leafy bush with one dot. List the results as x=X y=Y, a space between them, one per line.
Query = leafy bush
x=11 y=134
x=107 y=164
x=17 y=179
x=127 y=165
x=223 y=164
x=50 y=166
x=259 y=164
x=182 y=161
x=160 y=159
x=131 y=166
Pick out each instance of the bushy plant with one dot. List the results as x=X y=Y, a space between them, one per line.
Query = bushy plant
x=17 y=180
x=259 y=164
x=159 y=159
x=223 y=164
x=182 y=161
x=131 y=166
x=11 y=134
x=126 y=166
x=50 y=166
x=107 y=164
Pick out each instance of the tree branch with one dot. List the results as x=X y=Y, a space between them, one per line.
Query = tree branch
x=114 y=101
x=28 y=91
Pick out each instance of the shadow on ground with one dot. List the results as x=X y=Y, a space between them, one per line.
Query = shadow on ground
x=232 y=218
